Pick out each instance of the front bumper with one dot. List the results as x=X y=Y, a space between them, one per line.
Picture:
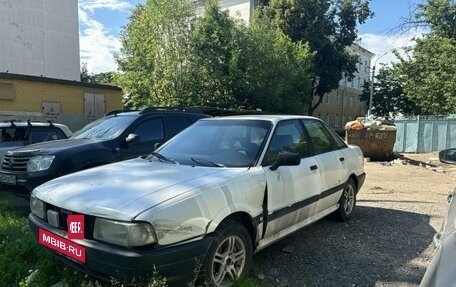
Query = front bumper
x=178 y=264
x=25 y=182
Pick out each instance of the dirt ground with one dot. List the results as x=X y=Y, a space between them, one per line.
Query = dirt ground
x=387 y=243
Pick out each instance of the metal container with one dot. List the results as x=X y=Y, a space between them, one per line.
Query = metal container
x=375 y=144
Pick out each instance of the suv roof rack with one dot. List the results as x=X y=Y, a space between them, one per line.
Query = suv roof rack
x=215 y=111
x=177 y=109
x=115 y=112
x=29 y=122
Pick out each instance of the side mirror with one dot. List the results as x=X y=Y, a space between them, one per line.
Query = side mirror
x=157 y=145
x=286 y=159
x=132 y=139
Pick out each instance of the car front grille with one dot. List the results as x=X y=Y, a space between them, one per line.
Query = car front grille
x=89 y=221
x=15 y=163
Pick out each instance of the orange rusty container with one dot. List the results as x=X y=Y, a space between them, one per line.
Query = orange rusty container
x=375 y=144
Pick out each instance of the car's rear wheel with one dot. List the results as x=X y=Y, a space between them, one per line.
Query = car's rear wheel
x=347 y=201
x=229 y=256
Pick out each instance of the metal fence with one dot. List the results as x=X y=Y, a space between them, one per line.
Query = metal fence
x=425 y=134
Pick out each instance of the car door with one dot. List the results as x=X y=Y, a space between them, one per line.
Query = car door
x=292 y=191
x=150 y=132
x=330 y=159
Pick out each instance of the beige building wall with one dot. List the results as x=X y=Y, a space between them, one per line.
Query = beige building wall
x=24 y=95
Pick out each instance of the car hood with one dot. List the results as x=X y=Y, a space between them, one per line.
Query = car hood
x=125 y=189
x=53 y=147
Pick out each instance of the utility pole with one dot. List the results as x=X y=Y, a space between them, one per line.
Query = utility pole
x=369 y=112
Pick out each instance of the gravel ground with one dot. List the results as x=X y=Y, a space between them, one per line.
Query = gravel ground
x=387 y=243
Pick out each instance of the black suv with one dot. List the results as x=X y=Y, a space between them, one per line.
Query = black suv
x=117 y=136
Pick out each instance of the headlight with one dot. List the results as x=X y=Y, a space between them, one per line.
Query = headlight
x=39 y=163
x=123 y=233
x=37 y=207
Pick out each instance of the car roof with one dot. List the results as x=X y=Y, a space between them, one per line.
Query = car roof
x=271 y=118
x=139 y=113
x=62 y=127
x=25 y=124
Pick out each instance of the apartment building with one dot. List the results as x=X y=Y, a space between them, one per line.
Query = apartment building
x=343 y=104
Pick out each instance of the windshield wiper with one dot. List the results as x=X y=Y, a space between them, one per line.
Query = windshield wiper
x=206 y=162
x=162 y=157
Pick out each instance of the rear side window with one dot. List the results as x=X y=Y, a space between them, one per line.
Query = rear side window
x=150 y=130
x=14 y=134
x=45 y=134
x=323 y=140
x=176 y=124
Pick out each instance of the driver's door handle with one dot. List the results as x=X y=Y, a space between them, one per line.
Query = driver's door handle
x=341 y=159
x=313 y=167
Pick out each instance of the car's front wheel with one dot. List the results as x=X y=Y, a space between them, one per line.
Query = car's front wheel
x=229 y=256
x=347 y=201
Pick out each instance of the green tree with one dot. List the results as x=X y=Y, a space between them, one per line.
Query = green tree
x=254 y=66
x=85 y=77
x=279 y=69
x=428 y=69
x=388 y=96
x=218 y=58
x=429 y=74
x=152 y=60
x=329 y=27
x=169 y=57
x=106 y=78
x=438 y=16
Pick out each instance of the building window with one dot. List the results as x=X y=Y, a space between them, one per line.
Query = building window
x=336 y=121
x=337 y=99
x=328 y=99
x=359 y=82
x=327 y=119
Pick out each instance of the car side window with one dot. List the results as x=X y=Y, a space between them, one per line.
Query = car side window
x=38 y=134
x=14 y=134
x=150 y=130
x=288 y=136
x=322 y=139
x=176 y=124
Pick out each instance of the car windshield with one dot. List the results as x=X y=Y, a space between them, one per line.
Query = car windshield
x=218 y=143
x=105 y=128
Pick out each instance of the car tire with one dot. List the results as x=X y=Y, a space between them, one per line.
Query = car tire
x=347 y=201
x=229 y=256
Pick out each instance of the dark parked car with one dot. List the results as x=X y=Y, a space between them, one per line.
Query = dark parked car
x=448 y=156
x=115 y=137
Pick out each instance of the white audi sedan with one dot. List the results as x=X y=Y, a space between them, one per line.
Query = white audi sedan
x=203 y=203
